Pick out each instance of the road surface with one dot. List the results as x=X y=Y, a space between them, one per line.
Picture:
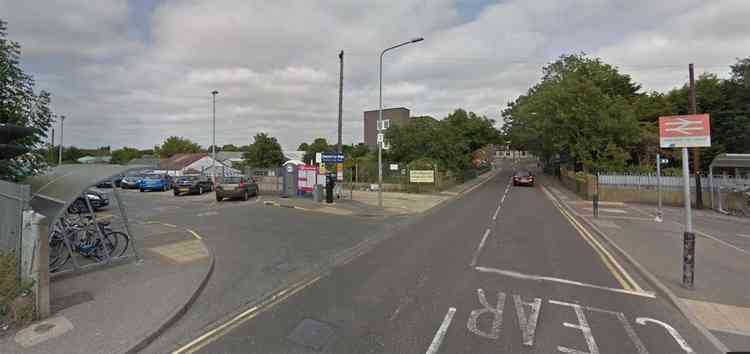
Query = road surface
x=499 y=270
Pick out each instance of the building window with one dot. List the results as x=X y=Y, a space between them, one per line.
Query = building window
x=386 y=123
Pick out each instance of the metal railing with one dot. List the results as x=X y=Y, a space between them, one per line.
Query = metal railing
x=14 y=199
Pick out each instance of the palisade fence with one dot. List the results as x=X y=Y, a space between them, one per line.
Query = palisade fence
x=670 y=182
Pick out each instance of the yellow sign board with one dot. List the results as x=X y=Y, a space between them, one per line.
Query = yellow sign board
x=422 y=176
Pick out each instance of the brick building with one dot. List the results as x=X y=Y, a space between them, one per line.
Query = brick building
x=398 y=115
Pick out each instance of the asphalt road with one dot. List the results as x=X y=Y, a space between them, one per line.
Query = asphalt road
x=471 y=278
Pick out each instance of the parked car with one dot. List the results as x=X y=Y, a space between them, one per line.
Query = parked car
x=155 y=182
x=192 y=185
x=107 y=183
x=236 y=187
x=523 y=178
x=131 y=182
x=98 y=201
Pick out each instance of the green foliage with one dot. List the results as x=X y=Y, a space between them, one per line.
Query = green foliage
x=303 y=147
x=230 y=147
x=264 y=152
x=449 y=142
x=71 y=154
x=20 y=105
x=124 y=155
x=176 y=145
x=318 y=145
x=14 y=306
x=583 y=109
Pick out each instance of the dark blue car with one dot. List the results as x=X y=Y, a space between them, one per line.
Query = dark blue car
x=155 y=182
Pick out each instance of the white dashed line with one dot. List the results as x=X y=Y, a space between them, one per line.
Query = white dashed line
x=479 y=248
x=440 y=334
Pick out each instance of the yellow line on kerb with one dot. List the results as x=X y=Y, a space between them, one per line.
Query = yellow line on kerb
x=249 y=314
x=612 y=265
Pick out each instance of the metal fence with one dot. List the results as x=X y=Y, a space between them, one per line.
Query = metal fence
x=671 y=182
x=14 y=199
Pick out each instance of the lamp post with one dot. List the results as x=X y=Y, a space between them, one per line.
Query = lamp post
x=213 y=144
x=59 y=157
x=380 y=119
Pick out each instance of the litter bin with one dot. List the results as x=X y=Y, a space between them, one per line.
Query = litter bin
x=318 y=193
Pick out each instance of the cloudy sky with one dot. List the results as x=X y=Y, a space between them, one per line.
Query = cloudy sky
x=134 y=72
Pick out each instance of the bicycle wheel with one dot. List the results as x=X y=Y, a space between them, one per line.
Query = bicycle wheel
x=105 y=247
x=58 y=251
x=121 y=240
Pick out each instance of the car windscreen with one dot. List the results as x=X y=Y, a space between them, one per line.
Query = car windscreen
x=231 y=180
x=522 y=174
x=152 y=177
x=188 y=178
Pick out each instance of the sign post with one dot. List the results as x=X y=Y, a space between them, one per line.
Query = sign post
x=658 y=189
x=683 y=132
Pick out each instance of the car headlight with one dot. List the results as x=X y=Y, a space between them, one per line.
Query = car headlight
x=93 y=197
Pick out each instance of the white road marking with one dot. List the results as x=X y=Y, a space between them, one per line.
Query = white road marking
x=608 y=210
x=628 y=328
x=743 y=235
x=479 y=248
x=494 y=217
x=440 y=334
x=502 y=200
x=673 y=332
x=527 y=324
x=582 y=325
x=169 y=225
x=195 y=234
x=497 y=320
x=518 y=275
x=208 y=213
x=723 y=242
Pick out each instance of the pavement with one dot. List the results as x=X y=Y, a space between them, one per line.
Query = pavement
x=720 y=298
x=498 y=269
x=119 y=308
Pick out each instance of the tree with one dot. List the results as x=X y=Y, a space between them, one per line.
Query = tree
x=303 y=147
x=176 y=145
x=318 y=145
x=20 y=105
x=72 y=154
x=581 y=110
x=124 y=155
x=264 y=152
x=229 y=147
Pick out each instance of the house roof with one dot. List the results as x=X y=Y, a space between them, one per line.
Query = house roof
x=180 y=161
x=229 y=155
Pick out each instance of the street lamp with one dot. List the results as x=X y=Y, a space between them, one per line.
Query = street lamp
x=213 y=145
x=380 y=119
x=59 y=157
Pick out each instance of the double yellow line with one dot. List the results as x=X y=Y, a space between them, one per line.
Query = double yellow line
x=249 y=314
x=612 y=265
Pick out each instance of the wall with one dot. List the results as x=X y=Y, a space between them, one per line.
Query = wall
x=648 y=196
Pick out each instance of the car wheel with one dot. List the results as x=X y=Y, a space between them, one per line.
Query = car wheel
x=218 y=198
x=142 y=190
x=245 y=196
x=175 y=193
x=200 y=190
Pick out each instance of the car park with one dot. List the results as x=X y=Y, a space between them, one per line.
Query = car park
x=236 y=187
x=193 y=184
x=131 y=182
x=523 y=178
x=155 y=182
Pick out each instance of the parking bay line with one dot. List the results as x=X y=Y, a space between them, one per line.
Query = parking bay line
x=518 y=275
x=440 y=334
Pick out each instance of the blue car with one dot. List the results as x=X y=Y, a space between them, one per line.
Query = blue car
x=131 y=182
x=155 y=183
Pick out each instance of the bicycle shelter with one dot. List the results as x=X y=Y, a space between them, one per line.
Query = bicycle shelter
x=729 y=161
x=55 y=191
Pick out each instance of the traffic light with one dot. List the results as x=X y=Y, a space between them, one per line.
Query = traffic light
x=9 y=133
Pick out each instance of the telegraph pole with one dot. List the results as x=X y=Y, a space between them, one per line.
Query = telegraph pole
x=696 y=150
x=59 y=158
x=341 y=94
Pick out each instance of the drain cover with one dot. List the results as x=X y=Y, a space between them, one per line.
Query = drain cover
x=312 y=334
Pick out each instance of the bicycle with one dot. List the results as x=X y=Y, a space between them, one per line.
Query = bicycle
x=84 y=240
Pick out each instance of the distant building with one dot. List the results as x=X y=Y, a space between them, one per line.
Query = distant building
x=396 y=116
x=182 y=164
x=229 y=157
x=94 y=159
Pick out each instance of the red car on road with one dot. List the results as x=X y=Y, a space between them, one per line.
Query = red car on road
x=523 y=178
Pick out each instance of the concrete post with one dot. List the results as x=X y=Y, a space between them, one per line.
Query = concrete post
x=35 y=259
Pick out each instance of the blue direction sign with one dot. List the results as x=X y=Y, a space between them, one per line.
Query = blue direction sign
x=332 y=157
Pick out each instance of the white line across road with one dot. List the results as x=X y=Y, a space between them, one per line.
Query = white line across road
x=743 y=235
x=440 y=334
x=518 y=275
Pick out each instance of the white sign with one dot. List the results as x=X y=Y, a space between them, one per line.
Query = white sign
x=380 y=137
x=394 y=167
x=318 y=157
x=422 y=176
x=685 y=131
